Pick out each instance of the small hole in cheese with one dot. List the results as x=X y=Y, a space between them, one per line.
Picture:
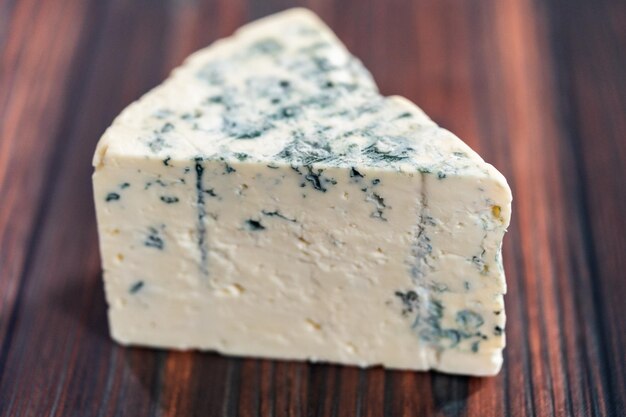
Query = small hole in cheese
x=313 y=325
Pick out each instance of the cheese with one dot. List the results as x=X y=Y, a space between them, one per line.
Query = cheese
x=266 y=200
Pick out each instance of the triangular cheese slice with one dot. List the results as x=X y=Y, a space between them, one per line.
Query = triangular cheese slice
x=266 y=200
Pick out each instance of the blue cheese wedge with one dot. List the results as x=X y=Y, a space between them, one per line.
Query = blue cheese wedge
x=266 y=200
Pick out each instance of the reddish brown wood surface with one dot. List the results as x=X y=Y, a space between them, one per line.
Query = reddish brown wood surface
x=537 y=87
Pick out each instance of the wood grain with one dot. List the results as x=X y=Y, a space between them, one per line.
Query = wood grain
x=538 y=88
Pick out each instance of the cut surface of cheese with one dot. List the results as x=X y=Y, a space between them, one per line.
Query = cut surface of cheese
x=266 y=200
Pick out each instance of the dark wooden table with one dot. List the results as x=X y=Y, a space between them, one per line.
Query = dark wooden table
x=536 y=87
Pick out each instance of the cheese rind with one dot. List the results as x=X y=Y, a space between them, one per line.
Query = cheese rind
x=265 y=200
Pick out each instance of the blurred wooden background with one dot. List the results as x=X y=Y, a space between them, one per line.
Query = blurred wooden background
x=537 y=87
